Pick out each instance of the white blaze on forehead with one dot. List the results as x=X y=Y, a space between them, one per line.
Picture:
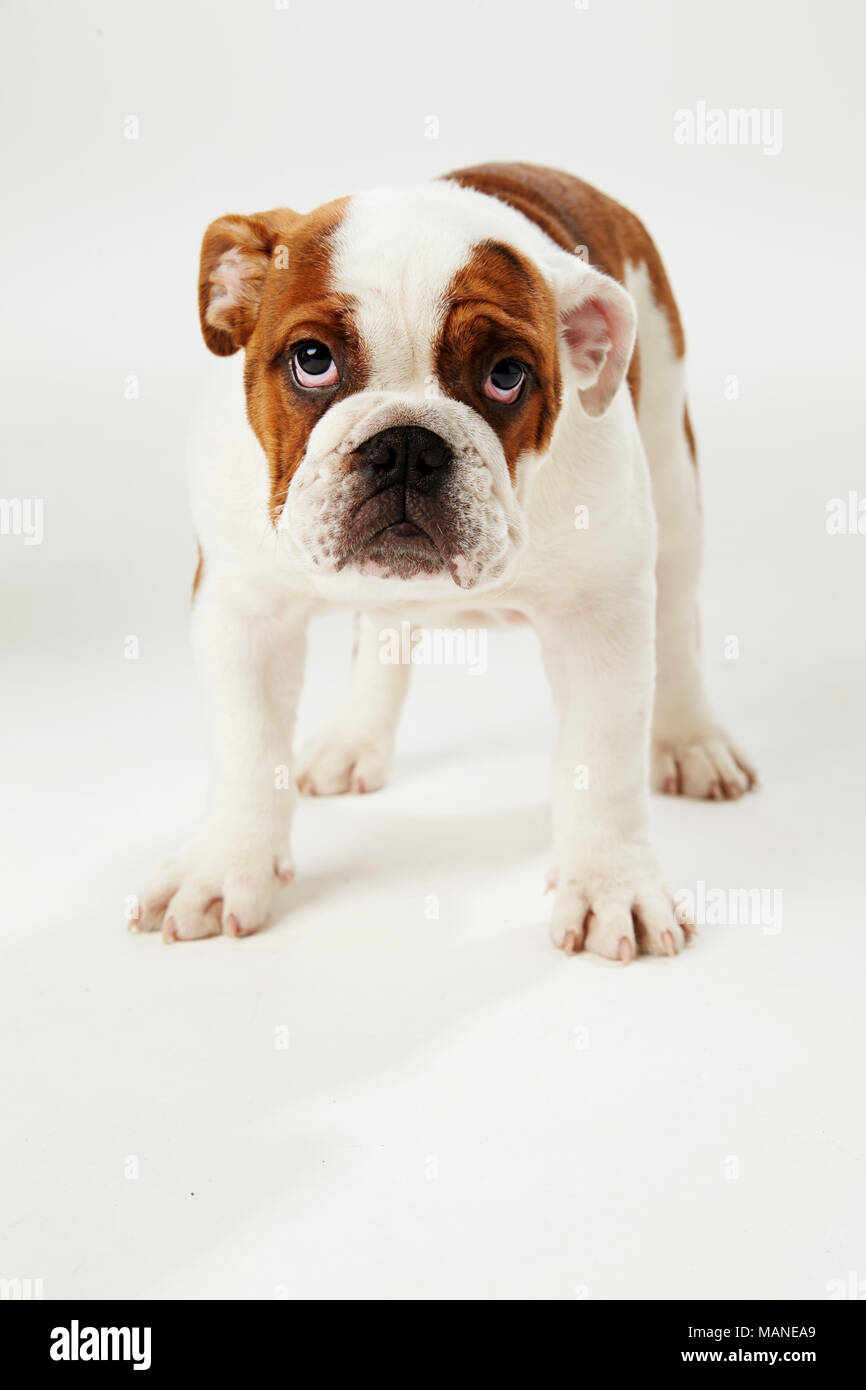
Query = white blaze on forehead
x=396 y=253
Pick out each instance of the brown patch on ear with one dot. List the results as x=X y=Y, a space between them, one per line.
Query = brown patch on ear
x=499 y=305
x=235 y=254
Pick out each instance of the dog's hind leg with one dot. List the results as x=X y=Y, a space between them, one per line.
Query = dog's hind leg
x=691 y=752
x=353 y=754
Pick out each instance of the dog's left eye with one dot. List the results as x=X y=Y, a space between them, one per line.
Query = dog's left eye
x=505 y=382
x=313 y=365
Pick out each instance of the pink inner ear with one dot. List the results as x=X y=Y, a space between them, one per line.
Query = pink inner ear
x=233 y=282
x=599 y=334
x=588 y=337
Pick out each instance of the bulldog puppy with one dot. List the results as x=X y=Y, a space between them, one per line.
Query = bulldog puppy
x=442 y=411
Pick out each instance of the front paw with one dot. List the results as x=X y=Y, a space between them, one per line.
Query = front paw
x=224 y=881
x=616 y=909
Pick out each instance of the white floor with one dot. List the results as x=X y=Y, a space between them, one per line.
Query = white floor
x=371 y=1101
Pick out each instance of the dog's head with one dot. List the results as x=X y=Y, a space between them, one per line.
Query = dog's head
x=406 y=358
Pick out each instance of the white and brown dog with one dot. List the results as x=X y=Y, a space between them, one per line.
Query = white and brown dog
x=434 y=381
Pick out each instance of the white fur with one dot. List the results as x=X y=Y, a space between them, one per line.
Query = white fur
x=590 y=592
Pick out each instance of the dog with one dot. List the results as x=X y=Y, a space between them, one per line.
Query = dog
x=459 y=403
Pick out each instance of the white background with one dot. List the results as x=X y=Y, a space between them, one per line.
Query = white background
x=460 y=1111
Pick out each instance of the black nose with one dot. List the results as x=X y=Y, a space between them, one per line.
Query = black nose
x=406 y=454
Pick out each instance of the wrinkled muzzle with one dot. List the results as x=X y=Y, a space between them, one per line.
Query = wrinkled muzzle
x=405 y=488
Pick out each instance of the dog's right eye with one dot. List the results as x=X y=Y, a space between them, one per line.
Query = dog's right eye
x=313 y=365
x=505 y=382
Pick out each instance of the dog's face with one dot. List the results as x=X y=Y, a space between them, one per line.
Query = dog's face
x=406 y=358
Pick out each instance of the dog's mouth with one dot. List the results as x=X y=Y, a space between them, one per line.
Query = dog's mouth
x=404 y=531
x=402 y=550
x=396 y=534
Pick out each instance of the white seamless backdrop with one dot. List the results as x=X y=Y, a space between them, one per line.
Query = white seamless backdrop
x=369 y=1099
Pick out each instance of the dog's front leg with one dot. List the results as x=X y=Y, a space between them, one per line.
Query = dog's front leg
x=610 y=897
x=250 y=660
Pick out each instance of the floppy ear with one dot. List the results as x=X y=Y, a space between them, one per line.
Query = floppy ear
x=235 y=255
x=598 y=322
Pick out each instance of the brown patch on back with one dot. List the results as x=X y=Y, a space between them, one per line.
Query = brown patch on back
x=498 y=306
x=690 y=436
x=573 y=213
x=199 y=570
x=298 y=302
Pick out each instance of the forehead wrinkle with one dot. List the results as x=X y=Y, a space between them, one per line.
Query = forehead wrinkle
x=398 y=317
x=397 y=256
x=415 y=304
